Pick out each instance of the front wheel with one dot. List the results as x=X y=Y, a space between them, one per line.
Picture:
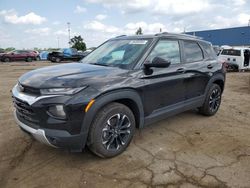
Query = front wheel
x=112 y=130
x=6 y=59
x=29 y=59
x=212 y=101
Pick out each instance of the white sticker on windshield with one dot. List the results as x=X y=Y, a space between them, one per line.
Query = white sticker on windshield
x=138 y=42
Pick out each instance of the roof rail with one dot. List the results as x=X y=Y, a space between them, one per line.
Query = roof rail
x=180 y=34
x=189 y=35
x=162 y=33
x=120 y=36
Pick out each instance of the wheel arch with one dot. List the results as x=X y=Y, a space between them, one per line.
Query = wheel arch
x=220 y=83
x=216 y=79
x=128 y=97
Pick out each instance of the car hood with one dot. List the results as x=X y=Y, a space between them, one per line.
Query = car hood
x=72 y=75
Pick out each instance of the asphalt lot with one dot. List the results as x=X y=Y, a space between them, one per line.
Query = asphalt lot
x=187 y=150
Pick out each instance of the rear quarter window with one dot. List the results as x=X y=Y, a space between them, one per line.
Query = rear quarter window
x=192 y=52
x=209 y=52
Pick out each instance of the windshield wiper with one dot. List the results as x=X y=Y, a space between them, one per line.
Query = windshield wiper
x=99 y=64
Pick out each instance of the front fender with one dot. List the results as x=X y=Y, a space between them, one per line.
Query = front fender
x=107 y=98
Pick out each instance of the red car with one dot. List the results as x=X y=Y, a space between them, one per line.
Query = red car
x=19 y=55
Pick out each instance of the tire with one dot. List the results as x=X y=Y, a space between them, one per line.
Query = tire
x=57 y=60
x=212 y=101
x=29 y=59
x=6 y=59
x=106 y=137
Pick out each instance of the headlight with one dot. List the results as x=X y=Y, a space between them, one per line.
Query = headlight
x=63 y=91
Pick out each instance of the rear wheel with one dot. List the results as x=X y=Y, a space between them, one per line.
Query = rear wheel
x=58 y=60
x=112 y=130
x=212 y=101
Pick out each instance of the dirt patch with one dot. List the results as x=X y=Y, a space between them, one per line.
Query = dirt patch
x=187 y=150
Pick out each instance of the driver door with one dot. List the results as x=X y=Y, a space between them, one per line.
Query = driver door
x=164 y=88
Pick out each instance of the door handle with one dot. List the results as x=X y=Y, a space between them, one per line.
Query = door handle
x=181 y=70
x=210 y=66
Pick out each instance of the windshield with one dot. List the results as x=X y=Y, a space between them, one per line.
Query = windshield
x=120 y=53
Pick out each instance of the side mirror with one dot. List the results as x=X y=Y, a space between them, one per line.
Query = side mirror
x=158 y=63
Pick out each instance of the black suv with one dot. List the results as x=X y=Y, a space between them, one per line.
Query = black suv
x=126 y=83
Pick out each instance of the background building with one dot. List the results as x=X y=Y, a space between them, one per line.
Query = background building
x=237 y=36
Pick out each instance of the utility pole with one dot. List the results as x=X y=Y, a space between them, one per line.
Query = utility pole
x=58 y=46
x=68 y=23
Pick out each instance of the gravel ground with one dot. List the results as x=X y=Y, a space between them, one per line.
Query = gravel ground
x=187 y=150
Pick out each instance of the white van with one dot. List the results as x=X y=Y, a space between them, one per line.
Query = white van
x=236 y=58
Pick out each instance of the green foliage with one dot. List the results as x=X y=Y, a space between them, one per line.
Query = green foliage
x=139 y=31
x=9 y=49
x=78 y=43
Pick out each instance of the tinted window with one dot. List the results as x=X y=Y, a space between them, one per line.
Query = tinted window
x=209 y=50
x=166 y=49
x=16 y=52
x=192 y=52
x=122 y=53
x=230 y=52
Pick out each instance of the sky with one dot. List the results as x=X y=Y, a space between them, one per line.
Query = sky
x=43 y=24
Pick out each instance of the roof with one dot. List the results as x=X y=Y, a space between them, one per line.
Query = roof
x=159 y=35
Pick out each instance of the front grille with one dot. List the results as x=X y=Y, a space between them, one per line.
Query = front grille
x=24 y=111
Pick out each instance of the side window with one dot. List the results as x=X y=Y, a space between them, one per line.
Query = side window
x=166 y=49
x=192 y=52
x=74 y=51
x=17 y=52
x=208 y=48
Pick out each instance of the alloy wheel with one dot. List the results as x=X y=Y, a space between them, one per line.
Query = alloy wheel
x=116 y=132
x=214 y=100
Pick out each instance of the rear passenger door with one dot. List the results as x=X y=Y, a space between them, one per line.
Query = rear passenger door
x=197 y=67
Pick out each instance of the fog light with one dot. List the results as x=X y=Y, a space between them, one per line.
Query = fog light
x=57 y=111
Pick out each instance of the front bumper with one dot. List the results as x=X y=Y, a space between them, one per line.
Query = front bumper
x=31 y=118
x=38 y=134
x=55 y=138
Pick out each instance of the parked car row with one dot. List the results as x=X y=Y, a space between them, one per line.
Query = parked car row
x=65 y=54
x=20 y=55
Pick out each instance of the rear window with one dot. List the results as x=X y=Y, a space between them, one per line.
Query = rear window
x=230 y=52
